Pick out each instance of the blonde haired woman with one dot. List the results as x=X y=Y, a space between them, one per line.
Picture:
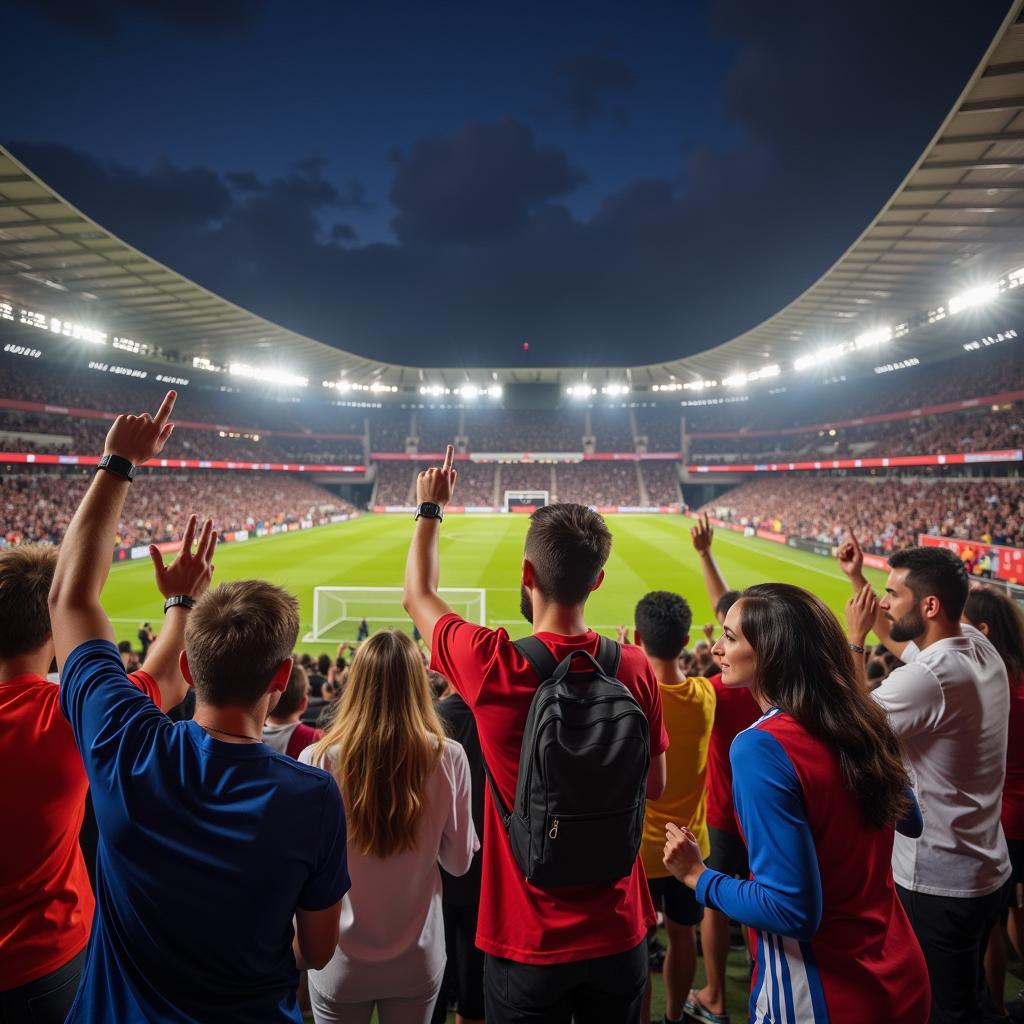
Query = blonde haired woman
x=406 y=790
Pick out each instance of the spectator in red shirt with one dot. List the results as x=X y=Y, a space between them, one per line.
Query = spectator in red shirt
x=284 y=729
x=999 y=618
x=735 y=709
x=46 y=901
x=560 y=953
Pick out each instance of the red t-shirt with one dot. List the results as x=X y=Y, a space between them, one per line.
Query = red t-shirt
x=1013 y=789
x=46 y=902
x=517 y=920
x=734 y=711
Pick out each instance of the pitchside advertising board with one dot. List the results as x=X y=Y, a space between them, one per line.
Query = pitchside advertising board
x=987 y=561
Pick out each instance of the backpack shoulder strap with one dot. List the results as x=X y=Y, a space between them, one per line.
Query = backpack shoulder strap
x=609 y=654
x=540 y=658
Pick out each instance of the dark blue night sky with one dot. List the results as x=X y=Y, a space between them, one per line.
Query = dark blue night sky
x=437 y=183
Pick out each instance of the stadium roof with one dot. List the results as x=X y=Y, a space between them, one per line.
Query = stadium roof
x=957 y=219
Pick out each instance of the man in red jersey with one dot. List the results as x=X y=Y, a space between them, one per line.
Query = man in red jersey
x=576 y=951
x=46 y=902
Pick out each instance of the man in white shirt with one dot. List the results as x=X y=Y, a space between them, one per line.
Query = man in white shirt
x=949 y=703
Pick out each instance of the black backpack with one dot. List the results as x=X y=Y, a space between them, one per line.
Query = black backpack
x=579 y=805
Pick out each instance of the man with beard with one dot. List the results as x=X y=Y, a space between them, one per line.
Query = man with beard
x=949 y=703
x=574 y=951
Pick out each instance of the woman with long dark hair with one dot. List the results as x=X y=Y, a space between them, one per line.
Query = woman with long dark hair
x=1001 y=620
x=819 y=787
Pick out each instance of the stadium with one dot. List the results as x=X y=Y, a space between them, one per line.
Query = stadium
x=887 y=399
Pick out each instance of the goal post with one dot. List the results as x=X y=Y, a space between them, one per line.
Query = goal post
x=526 y=501
x=338 y=612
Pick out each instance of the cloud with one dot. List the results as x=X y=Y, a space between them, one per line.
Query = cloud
x=586 y=83
x=106 y=17
x=481 y=184
x=829 y=115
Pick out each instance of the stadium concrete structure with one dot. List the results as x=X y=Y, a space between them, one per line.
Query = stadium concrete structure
x=938 y=272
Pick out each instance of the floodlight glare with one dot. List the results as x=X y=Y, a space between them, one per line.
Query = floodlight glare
x=615 y=389
x=878 y=336
x=268 y=375
x=736 y=380
x=823 y=355
x=973 y=297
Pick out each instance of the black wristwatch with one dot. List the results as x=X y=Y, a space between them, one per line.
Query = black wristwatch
x=429 y=510
x=179 y=601
x=118 y=466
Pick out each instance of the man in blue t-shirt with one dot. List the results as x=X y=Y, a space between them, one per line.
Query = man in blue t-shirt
x=211 y=844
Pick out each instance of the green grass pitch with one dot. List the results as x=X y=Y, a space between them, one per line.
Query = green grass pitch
x=649 y=552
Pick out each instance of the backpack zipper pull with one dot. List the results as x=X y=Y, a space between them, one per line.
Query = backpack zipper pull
x=553 y=834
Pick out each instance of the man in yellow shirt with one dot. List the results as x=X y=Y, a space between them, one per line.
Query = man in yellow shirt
x=662 y=629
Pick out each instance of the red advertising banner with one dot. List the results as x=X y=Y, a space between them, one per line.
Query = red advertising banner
x=40 y=459
x=877 y=462
x=986 y=561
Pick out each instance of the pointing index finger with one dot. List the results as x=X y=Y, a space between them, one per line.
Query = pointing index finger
x=449 y=455
x=166 y=407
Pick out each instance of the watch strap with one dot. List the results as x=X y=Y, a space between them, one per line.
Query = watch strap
x=179 y=601
x=119 y=466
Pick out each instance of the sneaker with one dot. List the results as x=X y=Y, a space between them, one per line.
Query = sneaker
x=696 y=1010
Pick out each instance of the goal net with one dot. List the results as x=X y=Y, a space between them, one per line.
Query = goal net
x=525 y=501
x=338 y=612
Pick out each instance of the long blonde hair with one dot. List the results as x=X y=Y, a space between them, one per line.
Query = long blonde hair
x=384 y=742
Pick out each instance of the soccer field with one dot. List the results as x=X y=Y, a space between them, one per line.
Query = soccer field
x=649 y=552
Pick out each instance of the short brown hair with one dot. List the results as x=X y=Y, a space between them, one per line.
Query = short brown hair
x=26 y=572
x=567 y=545
x=294 y=693
x=236 y=637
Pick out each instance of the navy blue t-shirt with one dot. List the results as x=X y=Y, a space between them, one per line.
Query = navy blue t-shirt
x=206 y=849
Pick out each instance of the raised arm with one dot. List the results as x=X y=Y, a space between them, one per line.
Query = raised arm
x=422 y=567
x=702 y=534
x=861 y=612
x=187 y=576
x=851 y=561
x=83 y=563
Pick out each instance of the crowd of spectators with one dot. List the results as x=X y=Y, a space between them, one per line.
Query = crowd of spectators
x=535 y=430
x=662 y=482
x=39 y=506
x=977 y=430
x=525 y=477
x=436 y=428
x=597 y=483
x=886 y=513
x=612 y=429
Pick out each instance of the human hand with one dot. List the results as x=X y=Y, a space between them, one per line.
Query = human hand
x=190 y=573
x=701 y=535
x=708 y=629
x=682 y=855
x=851 y=558
x=139 y=438
x=622 y=634
x=861 y=610
x=437 y=484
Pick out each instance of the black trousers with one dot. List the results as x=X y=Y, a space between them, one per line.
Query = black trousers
x=604 y=990
x=464 y=969
x=46 y=1000
x=953 y=934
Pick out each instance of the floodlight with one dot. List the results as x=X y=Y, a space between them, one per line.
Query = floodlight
x=878 y=336
x=495 y=391
x=977 y=296
x=736 y=380
x=267 y=375
x=615 y=389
